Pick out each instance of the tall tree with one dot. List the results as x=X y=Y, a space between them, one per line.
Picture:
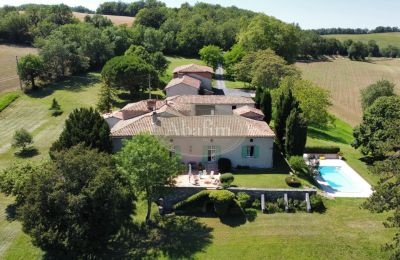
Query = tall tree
x=157 y=59
x=381 y=88
x=284 y=106
x=29 y=68
x=84 y=125
x=296 y=133
x=128 y=72
x=148 y=162
x=377 y=127
x=74 y=205
x=212 y=55
x=266 y=105
x=105 y=100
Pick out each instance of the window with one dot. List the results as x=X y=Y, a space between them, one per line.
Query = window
x=233 y=107
x=251 y=140
x=250 y=151
x=211 y=153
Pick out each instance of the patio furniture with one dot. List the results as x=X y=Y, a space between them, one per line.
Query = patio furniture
x=212 y=174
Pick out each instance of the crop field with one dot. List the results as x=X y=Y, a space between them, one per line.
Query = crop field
x=345 y=78
x=8 y=66
x=115 y=19
x=382 y=39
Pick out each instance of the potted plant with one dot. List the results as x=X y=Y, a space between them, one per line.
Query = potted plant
x=340 y=155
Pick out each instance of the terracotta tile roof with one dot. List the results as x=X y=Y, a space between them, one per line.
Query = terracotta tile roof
x=193 y=68
x=194 y=126
x=192 y=82
x=212 y=100
x=247 y=109
x=139 y=108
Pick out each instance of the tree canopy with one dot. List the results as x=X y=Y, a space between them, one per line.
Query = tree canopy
x=84 y=125
x=212 y=56
x=381 y=88
x=377 y=126
x=76 y=203
x=29 y=68
x=150 y=164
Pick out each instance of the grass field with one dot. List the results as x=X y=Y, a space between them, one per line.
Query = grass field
x=7 y=98
x=382 y=39
x=345 y=78
x=176 y=61
x=8 y=66
x=115 y=19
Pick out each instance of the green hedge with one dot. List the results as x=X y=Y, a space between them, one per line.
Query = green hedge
x=7 y=98
x=194 y=202
x=222 y=200
x=321 y=149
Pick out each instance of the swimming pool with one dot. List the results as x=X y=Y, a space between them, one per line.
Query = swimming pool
x=340 y=180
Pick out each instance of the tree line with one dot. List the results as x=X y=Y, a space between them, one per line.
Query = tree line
x=379 y=29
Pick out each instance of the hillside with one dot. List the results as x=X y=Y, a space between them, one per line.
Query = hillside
x=382 y=39
x=345 y=78
x=117 y=20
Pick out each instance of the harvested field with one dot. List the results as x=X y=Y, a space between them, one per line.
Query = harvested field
x=116 y=19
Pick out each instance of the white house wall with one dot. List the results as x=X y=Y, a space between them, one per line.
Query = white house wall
x=205 y=82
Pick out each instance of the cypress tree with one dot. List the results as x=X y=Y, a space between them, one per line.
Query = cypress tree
x=285 y=104
x=84 y=126
x=296 y=133
x=266 y=105
x=257 y=98
x=104 y=104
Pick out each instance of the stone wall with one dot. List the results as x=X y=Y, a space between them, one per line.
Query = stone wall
x=176 y=194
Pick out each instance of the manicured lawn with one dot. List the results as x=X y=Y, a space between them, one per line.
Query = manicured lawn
x=32 y=113
x=235 y=84
x=7 y=98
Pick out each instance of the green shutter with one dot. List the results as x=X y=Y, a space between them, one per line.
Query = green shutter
x=256 y=151
x=244 y=151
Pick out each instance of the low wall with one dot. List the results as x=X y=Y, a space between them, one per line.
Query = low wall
x=176 y=194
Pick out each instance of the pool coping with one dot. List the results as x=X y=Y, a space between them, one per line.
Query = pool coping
x=366 y=187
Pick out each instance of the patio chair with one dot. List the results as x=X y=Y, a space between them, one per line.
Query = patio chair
x=212 y=174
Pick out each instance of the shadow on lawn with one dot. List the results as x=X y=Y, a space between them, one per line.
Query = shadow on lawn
x=71 y=83
x=320 y=134
x=173 y=236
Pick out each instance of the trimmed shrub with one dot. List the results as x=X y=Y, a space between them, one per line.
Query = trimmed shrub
x=298 y=164
x=271 y=207
x=222 y=199
x=293 y=182
x=321 y=149
x=256 y=204
x=243 y=199
x=251 y=214
x=194 y=203
x=317 y=204
x=224 y=165
x=226 y=179
x=236 y=209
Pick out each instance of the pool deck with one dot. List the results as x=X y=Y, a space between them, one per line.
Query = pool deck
x=365 y=188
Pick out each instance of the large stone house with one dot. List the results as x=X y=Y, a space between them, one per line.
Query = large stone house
x=199 y=128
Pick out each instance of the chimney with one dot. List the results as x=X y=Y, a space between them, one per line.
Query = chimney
x=154 y=118
x=151 y=104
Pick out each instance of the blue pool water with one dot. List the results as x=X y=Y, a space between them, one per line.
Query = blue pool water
x=337 y=179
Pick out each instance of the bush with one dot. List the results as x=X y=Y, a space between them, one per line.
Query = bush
x=243 y=199
x=224 y=165
x=271 y=207
x=55 y=108
x=236 y=209
x=298 y=164
x=256 y=204
x=222 y=199
x=227 y=179
x=194 y=203
x=293 y=182
x=317 y=203
x=21 y=139
x=251 y=214
x=321 y=149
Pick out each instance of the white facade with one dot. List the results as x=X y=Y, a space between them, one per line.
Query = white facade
x=181 y=90
x=205 y=82
x=209 y=150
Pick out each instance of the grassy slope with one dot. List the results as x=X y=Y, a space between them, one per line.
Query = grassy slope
x=345 y=78
x=344 y=232
x=7 y=98
x=31 y=113
x=176 y=61
x=8 y=66
x=382 y=39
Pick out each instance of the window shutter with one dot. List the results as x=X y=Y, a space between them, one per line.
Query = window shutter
x=244 y=151
x=256 y=151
